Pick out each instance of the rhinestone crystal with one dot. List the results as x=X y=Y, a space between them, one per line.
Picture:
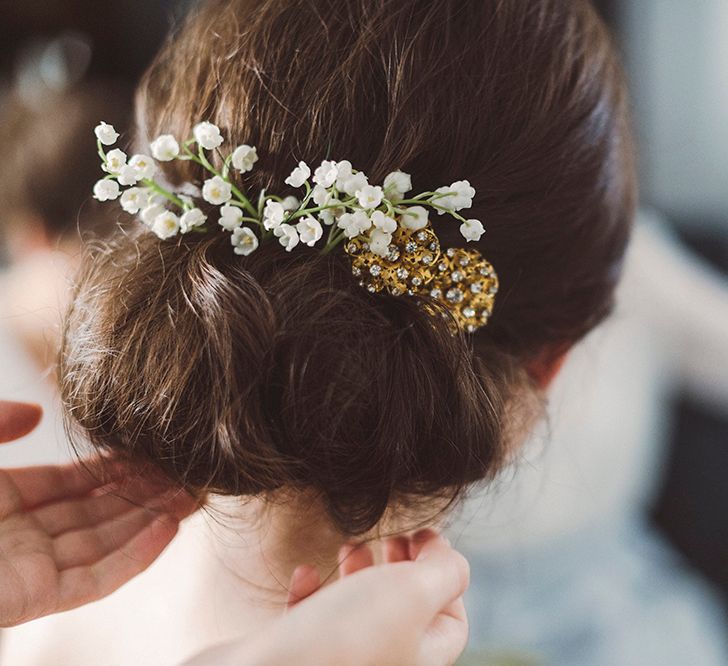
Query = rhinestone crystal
x=433 y=246
x=456 y=276
x=476 y=287
x=451 y=252
x=464 y=261
x=416 y=281
x=352 y=248
x=454 y=295
x=436 y=292
x=411 y=246
x=375 y=270
x=442 y=267
x=421 y=236
x=427 y=259
x=402 y=273
x=469 y=312
x=356 y=271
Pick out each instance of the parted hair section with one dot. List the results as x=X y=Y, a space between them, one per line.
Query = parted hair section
x=276 y=371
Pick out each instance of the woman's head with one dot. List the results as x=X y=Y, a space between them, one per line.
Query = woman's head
x=272 y=372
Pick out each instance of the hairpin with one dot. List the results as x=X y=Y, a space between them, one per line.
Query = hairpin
x=386 y=232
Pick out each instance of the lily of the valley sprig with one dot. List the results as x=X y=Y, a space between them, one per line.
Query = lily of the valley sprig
x=337 y=202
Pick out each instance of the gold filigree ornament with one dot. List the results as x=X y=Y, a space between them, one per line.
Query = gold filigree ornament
x=460 y=279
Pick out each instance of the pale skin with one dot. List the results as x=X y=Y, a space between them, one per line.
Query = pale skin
x=65 y=541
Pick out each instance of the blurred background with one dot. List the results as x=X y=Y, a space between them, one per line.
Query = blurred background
x=676 y=56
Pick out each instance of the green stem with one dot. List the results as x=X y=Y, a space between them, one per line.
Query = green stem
x=165 y=193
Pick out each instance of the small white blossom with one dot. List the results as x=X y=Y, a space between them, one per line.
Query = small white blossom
x=397 y=184
x=191 y=219
x=330 y=215
x=244 y=157
x=309 y=230
x=207 y=135
x=127 y=175
x=231 y=217
x=115 y=160
x=287 y=236
x=106 y=133
x=216 y=191
x=354 y=224
x=343 y=173
x=379 y=242
x=353 y=183
x=151 y=212
x=273 y=214
x=460 y=195
x=166 y=225
x=415 y=218
x=370 y=196
x=143 y=165
x=326 y=174
x=472 y=230
x=290 y=203
x=321 y=196
x=298 y=176
x=106 y=190
x=164 y=148
x=384 y=222
x=244 y=241
x=134 y=199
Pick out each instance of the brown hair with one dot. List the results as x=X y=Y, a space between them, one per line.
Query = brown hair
x=249 y=375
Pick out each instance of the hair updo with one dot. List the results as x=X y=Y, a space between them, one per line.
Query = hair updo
x=248 y=375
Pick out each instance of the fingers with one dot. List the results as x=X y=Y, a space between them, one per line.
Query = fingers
x=396 y=549
x=443 y=571
x=353 y=558
x=40 y=485
x=17 y=419
x=83 y=584
x=304 y=582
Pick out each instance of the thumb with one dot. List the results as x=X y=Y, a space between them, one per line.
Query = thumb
x=17 y=419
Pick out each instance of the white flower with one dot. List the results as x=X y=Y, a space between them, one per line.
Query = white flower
x=309 y=230
x=384 y=222
x=370 y=196
x=231 y=217
x=134 y=199
x=207 y=135
x=164 y=148
x=273 y=214
x=460 y=195
x=353 y=183
x=216 y=191
x=106 y=190
x=397 y=184
x=106 y=133
x=166 y=225
x=379 y=242
x=191 y=219
x=472 y=230
x=244 y=157
x=321 y=196
x=151 y=212
x=290 y=203
x=287 y=236
x=330 y=215
x=415 y=218
x=127 y=175
x=244 y=241
x=144 y=166
x=354 y=224
x=326 y=174
x=298 y=176
x=115 y=160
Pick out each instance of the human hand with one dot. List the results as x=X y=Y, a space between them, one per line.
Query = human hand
x=406 y=612
x=68 y=538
